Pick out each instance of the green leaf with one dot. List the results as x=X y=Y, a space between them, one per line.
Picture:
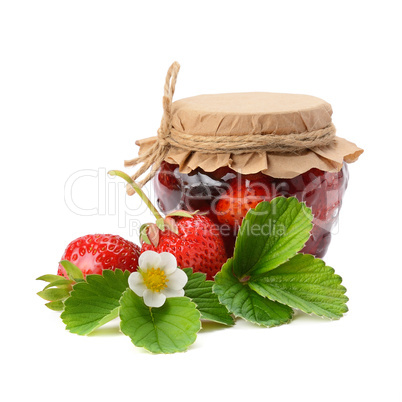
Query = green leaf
x=143 y=234
x=49 y=278
x=305 y=283
x=199 y=290
x=270 y=234
x=55 y=294
x=245 y=302
x=167 y=329
x=95 y=302
x=56 y=291
x=72 y=270
x=182 y=213
x=55 y=305
x=60 y=283
x=160 y=223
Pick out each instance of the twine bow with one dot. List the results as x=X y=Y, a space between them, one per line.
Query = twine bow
x=155 y=156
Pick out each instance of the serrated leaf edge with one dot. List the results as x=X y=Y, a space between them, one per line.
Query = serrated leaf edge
x=332 y=270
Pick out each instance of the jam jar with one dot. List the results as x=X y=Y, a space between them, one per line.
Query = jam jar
x=226 y=196
x=222 y=154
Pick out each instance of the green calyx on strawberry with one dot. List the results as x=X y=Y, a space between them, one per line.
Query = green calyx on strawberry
x=194 y=239
x=150 y=232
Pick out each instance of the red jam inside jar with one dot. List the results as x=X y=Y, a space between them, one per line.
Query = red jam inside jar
x=226 y=196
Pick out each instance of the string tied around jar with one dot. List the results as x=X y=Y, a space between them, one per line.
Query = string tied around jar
x=155 y=156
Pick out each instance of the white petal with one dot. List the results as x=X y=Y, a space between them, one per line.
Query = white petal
x=173 y=293
x=168 y=263
x=154 y=299
x=136 y=283
x=149 y=259
x=177 y=279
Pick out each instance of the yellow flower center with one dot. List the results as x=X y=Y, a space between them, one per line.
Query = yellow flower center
x=155 y=279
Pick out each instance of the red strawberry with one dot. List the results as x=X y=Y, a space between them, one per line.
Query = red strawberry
x=197 y=243
x=241 y=196
x=94 y=253
x=193 y=239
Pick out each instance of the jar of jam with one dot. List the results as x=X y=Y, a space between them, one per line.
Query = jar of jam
x=222 y=154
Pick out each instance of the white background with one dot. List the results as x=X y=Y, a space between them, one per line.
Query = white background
x=80 y=81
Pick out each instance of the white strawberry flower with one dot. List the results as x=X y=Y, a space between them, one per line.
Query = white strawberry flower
x=157 y=278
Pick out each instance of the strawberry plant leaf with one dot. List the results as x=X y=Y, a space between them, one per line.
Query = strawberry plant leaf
x=49 y=278
x=143 y=234
x=73 y=272
x=182 y=213
x=95 y=302
x=55 y=305
x=167 y=329
x=199 y=290
x=305 y=283
x=54 y=294
x=270 y=234
x=160 y=223
x=56 y=291
x=60 y=283
x=244 y=302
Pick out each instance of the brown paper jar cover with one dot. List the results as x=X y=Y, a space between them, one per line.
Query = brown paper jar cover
x=248 y=114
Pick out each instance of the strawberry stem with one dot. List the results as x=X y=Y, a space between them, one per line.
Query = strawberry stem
x=138 y=190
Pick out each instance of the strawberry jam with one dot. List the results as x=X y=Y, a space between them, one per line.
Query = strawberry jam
x=226 y=196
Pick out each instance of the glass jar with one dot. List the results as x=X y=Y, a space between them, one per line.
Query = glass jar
x=222 y=154
x=225 y=196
